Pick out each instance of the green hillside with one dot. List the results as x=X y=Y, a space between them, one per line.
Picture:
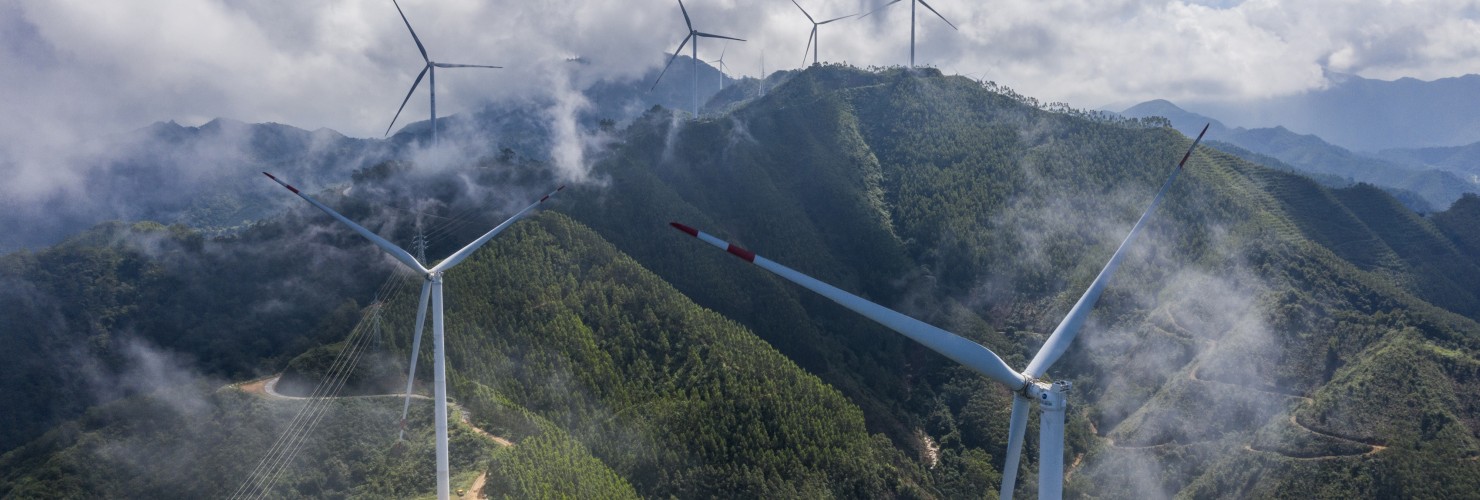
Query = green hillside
x=980 y=212
x=1267 y=336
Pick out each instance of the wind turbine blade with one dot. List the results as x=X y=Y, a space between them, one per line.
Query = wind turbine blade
x=937 y=14
x=686 y=20
x=1064 y=334
x=421 y=320
x=804 y=11
x=423 y=73
x=712 y=35
x=836 y=19
x=451 y=65
x=670 y=61
x=463 y=253
x=879 y=8
x=811 y=37
x=387 y=246
x=950 y=345
x=1016 y=427
x=413 y=33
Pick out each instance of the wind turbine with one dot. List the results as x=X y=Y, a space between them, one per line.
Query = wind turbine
x=912 y=22
x=813 y=41
x=1027 y=384
x=430 y=67
x=431 y=287
x=695 y=35
x=722 y=67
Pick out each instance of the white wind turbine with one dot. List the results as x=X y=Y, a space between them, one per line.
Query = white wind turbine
x=722 y=67
x=695 y=35
x=812 y=41
x=1026 y=384
x=431 y=287
x=912 y=22
x=430 y=67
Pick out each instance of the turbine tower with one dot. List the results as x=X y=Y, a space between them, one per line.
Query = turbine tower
x=695 y=35
x=812 y=41
x=912 y=22
x=431 y=288
x=1027 y=384
x=430 y=69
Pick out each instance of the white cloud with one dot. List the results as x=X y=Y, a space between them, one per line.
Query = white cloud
x=77 y=69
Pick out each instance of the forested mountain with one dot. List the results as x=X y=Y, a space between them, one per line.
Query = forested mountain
x=170 y=173
x=1463 y=160
x=1268 y=336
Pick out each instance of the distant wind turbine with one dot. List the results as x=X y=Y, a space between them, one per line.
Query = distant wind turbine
x=912 y=22
x=763 y=72
x=812 y=41
x=1027 y=384
x=695 y=35
x=431 y=287
x=721 y=67
x=431 y=67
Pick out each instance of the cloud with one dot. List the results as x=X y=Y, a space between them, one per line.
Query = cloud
x=81 y=70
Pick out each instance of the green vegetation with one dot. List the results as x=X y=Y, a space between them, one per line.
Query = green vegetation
x=192 y=442
x=1268 y=336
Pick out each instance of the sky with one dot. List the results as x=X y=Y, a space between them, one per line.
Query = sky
x=75 y=70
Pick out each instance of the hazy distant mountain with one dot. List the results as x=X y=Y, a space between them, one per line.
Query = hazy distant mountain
x=1332 y=165
x=206 y=176
x=1368 y=115
x=203 y=176
x=1463 y=160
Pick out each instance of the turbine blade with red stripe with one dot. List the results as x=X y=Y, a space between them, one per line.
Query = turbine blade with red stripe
x=387 y=246
x=950 y=345
x=1069 y=328
x=464 y=252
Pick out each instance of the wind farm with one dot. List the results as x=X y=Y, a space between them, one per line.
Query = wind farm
x=693 y=35
x=958 y=251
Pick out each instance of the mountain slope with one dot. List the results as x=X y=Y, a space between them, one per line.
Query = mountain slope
x=1268 y=336
x=991 y=204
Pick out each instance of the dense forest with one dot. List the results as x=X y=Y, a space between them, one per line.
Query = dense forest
x=1268 y=336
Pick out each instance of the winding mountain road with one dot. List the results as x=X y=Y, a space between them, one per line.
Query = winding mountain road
x=1193 y=374
x=267 y=388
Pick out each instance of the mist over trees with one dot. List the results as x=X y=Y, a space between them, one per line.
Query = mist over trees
x=1270 y=336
